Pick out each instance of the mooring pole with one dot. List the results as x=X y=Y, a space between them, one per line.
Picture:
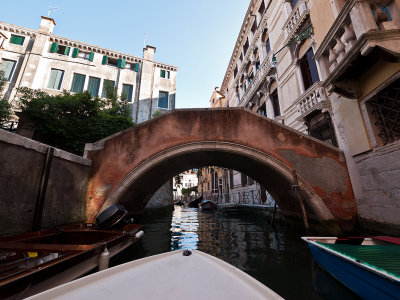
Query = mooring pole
x=273 y=214
x=37 y=217
x=296 y=189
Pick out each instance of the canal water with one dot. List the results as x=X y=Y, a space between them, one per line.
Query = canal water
x=273 y=254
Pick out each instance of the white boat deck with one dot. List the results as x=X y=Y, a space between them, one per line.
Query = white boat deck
x=166 y=276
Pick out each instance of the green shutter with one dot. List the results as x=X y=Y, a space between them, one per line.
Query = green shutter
x=137 y=67
x=105 y=60
x=162 y=73
x=91 y=56
x=67 y=49
x=17 y=40
x=121 y=63
x=54 y=47
x=75 y=53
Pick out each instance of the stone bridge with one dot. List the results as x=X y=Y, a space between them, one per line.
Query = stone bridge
x=130 y=166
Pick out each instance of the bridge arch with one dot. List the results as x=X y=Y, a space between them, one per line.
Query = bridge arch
x=130 y=166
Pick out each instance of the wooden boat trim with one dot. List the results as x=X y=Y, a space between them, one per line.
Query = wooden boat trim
x=51 y=248
x=346 y=258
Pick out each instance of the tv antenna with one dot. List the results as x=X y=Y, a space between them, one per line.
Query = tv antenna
x=51 y=9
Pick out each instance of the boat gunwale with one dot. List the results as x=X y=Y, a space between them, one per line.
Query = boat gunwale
x=346 y=258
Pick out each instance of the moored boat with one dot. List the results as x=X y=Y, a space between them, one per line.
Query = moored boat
x=33 y=262
x=195 y=202
x=173 y=275
x=370 y=267
x=207 y=205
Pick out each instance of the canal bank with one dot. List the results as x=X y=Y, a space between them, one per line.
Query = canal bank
x=273 y=254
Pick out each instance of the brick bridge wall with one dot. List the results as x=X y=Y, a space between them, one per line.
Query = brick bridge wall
x=129 y=166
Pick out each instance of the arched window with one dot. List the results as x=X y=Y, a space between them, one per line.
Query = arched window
x=273 y=96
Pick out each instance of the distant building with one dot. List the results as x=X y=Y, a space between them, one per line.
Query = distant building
x=38 y=59
x=217 y=99
x=188 y=180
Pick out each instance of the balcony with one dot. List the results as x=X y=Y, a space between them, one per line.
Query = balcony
x=255 y=84
x=361 y=34
x=299 y=13
x=313 y=99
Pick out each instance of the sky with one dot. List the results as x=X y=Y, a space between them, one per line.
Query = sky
x=196 y=36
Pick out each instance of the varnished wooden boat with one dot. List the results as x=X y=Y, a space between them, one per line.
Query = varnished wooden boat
x=370 y=267
x=207 y=205
x=33 y=262
x=171 y=275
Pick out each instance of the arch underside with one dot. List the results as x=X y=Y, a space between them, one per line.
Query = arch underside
x=135 y=190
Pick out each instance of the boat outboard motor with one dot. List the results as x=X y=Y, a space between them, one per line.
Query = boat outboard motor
x=111 y=216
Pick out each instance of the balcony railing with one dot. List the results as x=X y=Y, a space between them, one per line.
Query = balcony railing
x=258 y=79
x=313 y=99
x=241 y=197
x=296 y=18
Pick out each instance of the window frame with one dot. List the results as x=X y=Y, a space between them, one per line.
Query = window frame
x=60 y=83
x=72 y=83
x=98 y=88
x=10 y=76
x=17 y=36
x=158 y=102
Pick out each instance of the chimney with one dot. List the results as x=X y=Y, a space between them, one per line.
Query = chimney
x=148 y=52
x=47 y=25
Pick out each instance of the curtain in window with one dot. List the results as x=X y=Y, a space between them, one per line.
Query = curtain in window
x=94 y=86
x=56 y=77
x=107 y=83
x=77 y=83
x=163 y=100
x=127 y=89
x=7 y=66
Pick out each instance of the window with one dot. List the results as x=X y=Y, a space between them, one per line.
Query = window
x=163 y=100
x=294 y=2
x=8 y=66
x=231 y=178
x=94 y=86
x=77 y=83
x=243 y=178
x=17 y=39
x=112 y=62
x=251 y=77
x=127 y=90
x=261 y=10
x=108 y=88
x=258 y=65
x=308 y=69
x=133 y=67
x=254 y=27
x=275 y=103
x=63 y=50
x=55 y=80
x=86 y=55
x=246 y=46
x=268 y=46
x=164 y=74
x=235 y=72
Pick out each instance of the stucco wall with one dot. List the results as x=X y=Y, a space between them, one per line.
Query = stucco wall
x=21 y=166
x=380 y=177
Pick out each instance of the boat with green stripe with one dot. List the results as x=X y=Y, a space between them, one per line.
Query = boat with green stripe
x=370 y=267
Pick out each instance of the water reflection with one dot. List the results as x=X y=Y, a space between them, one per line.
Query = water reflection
x=184 y=227
x=274 y=255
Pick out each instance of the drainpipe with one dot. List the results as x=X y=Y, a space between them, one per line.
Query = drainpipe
x=37 y=217
x=151 y=91
x=138 y=92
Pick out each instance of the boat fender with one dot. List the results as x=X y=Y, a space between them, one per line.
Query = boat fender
x=139 y=234
x=104 y=259
x=187 y=253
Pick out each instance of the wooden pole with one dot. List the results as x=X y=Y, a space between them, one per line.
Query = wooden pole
x=296 y=188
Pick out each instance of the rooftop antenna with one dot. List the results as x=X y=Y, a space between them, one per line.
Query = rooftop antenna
x=51 y=9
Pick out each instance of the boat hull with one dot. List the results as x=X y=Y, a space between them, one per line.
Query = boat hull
x=361 y=281
x=45 y=276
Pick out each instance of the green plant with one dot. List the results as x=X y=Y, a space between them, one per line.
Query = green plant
x=5 y=107
x=156 y=113
x=68 y=121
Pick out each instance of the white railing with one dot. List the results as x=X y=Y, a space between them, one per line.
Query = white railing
x=312 y=99
x=295 y=19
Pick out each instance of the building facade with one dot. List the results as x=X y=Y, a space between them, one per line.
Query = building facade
x=38 y=59
x=330 y=69
x=188 y=180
